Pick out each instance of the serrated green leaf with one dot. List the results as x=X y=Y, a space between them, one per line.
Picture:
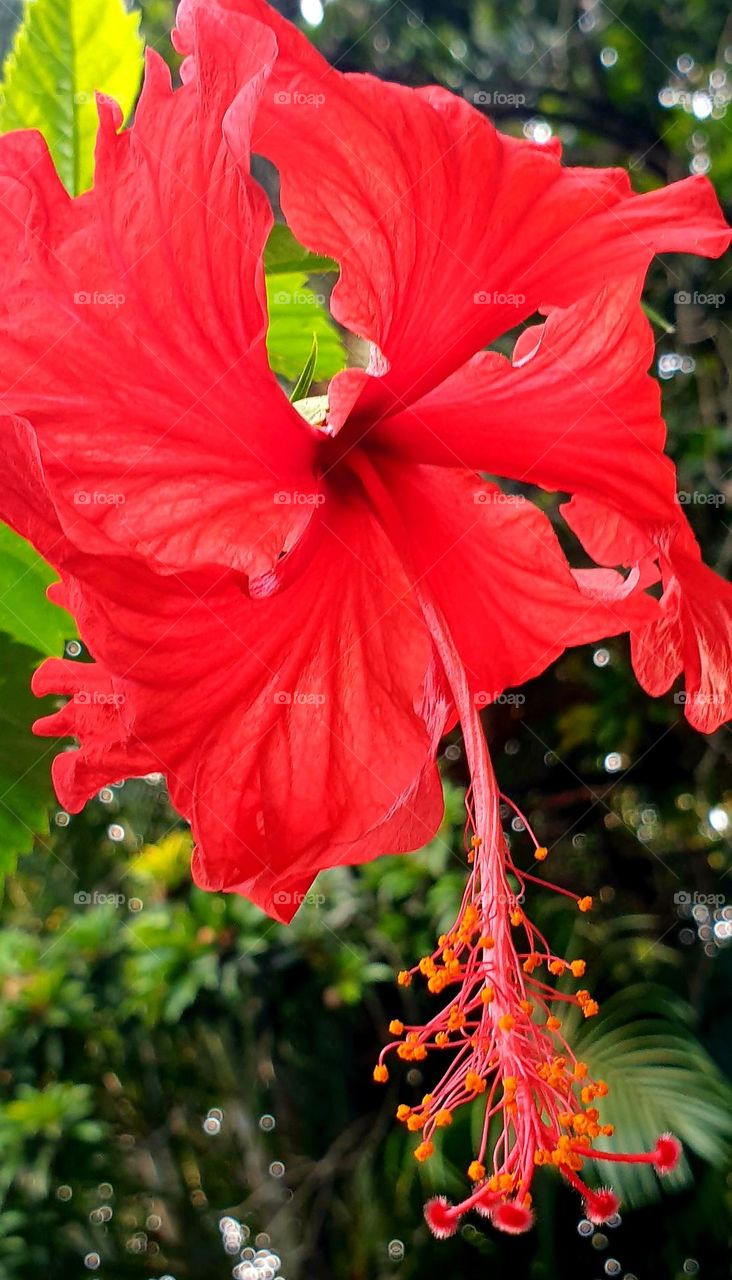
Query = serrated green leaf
x=296 y=314
x=283 y=254
x=30 y=628
x=25 y=785
x=25 y=613
x=63 y=52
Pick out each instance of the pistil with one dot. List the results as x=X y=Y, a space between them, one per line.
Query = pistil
x=499 y=1026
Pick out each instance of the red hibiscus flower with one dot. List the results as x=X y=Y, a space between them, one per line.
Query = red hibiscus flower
x=285 y=617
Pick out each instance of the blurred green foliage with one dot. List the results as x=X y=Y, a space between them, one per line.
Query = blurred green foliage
x=136 y=1008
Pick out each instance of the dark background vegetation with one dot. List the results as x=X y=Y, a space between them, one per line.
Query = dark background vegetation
x=122 y=1025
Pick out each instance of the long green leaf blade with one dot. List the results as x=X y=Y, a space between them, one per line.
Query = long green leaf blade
x=305 y=381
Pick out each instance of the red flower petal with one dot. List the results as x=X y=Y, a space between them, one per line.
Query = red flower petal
x=576 y=412
x=693 y=632
x=133 y=322
x=495 y=568
x=339 y=782
x=701 y=603
x=296 y=732
x=297 y=721
x=428 y=208
x=579 y=413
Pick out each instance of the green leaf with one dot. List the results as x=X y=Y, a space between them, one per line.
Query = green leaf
x=283 y=254
x=64 y=51
x=305 y=381
x=659 y=1078
x=30 y=628
x=25 y=786
x=296 y=314
x=25 y=613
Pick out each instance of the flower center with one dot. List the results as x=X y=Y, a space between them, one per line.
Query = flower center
x=313 y=409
